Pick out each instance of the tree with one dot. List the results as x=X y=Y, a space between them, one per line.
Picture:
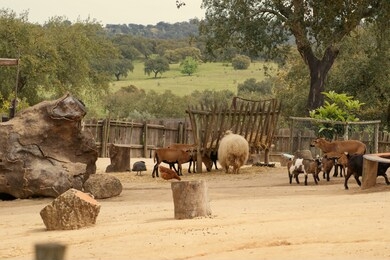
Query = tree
x=188 y=66
x=356 y=71
x=126 y=45
x=318 y=27
x=56 y=58
x=122 y=67
x=156 y=65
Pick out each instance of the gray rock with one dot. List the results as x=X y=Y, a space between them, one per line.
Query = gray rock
x=103 y=186
x=305 y=154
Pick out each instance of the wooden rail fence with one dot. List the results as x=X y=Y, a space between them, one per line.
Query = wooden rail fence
x=144 y=137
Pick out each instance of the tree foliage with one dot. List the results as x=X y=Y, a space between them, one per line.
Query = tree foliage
x=363 y=71
x=317 y=26
x=133 y=103
x=188 y=66
x=241 y=62
x=161 y=30
x=180 y=54
x=55 y=58
x=156 y=65
x=252 y=87
x=337 y=107
x=290 y=87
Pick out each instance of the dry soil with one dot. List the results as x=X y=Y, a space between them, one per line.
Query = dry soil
x=256 y=214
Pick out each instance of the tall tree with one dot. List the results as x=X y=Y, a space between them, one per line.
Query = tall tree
x=156 y=65
x=55 y=58
x=318 y=27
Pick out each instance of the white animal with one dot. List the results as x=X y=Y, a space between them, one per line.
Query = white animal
x=305 y=166
x=233 y=151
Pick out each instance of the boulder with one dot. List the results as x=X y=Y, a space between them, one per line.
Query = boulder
x=44 y=150
x=73 y=209
x=103 y=186
x=305 y=154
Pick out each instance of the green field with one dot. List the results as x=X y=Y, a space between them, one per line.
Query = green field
x=210 y=76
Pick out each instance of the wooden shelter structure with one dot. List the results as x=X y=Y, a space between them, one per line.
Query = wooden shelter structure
x=256 y=120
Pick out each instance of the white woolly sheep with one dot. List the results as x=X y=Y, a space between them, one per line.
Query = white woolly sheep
x=233 y=151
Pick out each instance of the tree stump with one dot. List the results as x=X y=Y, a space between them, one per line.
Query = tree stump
x=120 y=158
x=190 y=199
x=49 y=251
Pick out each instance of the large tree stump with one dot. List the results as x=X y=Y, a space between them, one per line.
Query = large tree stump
x=190 y=199
x=120 y=158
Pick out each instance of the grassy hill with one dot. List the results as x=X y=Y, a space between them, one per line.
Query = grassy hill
x=212 y=76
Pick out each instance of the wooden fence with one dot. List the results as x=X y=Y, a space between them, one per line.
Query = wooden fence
x=144 y=137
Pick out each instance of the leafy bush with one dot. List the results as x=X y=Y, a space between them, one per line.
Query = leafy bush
x=188 y=66
x=241 y=62
x=251 y=86
x=337 y=107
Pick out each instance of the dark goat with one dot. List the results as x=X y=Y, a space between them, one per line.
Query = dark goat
x=214 y=158
x=355 y=168
x=327 y=166
x=338 y=160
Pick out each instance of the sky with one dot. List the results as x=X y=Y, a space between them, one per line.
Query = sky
x=107 y=11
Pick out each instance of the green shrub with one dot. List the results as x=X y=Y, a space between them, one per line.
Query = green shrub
x=188 y=66
x=241 y=62
x=337 y=107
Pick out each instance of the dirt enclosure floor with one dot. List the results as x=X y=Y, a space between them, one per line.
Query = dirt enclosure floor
x=256 y=214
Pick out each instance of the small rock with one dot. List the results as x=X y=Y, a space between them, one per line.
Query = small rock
x=73 y=209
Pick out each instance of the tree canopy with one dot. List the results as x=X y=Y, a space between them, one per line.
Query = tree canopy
x=318 y=28
x=55 y=58
x=156 y=65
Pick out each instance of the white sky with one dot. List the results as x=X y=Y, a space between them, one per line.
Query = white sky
x=108 y=11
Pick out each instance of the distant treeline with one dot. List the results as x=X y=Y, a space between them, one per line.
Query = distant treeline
x=161 y=30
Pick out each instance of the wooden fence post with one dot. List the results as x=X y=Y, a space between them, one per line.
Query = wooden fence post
x=180 y=133
x=105 y=136
x=145 y=137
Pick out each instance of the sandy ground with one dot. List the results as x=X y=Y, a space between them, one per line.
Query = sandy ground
x=255 y=215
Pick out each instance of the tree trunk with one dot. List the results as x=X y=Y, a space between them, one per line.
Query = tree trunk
x=120 y=158
x=318 y=72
